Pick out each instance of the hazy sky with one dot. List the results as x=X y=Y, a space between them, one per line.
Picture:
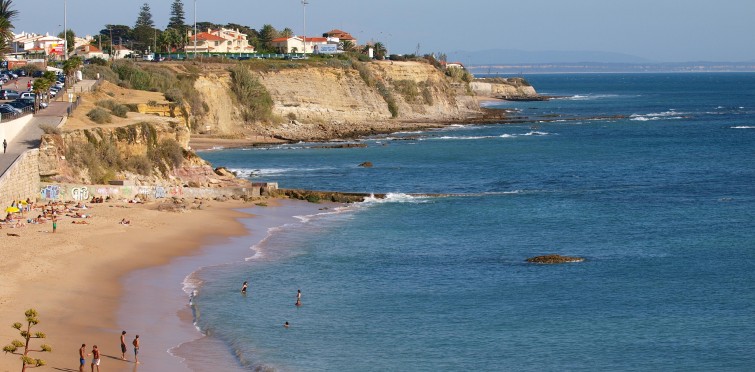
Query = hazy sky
x=658 y=30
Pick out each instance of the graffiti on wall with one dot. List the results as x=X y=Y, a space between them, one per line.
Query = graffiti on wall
x=51 y=192
x=80 y=193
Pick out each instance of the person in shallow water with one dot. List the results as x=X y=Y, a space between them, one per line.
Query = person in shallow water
x=243 y=288
x=298 y=298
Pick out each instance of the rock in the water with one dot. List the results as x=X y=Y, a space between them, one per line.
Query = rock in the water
x=554 y=259
x=366 y=164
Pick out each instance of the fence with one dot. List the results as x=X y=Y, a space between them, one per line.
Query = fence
x=28 y=110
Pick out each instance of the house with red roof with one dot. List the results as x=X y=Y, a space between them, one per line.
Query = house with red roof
x=120 y=52
x=89 y=51
x=340 y=36
x=222 y=40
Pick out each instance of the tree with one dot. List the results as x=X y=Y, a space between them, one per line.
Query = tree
x=69 y=69
x=380 y=50
x=16 y=345
x=122 y=34
x=70 y=40
x=169 y=40
x=177 y=16
x=348 y=46
x=42 y=86
x=267 y=34
x=145 y=17
x=145 y=33
x=287 y=32
x=6 y=25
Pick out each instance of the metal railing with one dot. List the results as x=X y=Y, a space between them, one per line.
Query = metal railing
x=72 y=106
x=4 y=118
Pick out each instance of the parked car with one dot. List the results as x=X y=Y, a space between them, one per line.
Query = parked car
x=21 y=104
x=14 y=109
x=21 y=72
x=9 y=94
x=7 y=111
x=30 y=101
x=27 y=95
x=37 y=74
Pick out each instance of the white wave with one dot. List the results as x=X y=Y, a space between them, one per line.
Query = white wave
x=460 y=137
x=246 y=172
x=743 y=127
x=191 y=284
x=536 y=133
x=668 y=115
x=589 y=97
x=395 y=198
x=505 y=135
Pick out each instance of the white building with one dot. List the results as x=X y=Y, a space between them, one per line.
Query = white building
x=223 y=40
x=295 y=44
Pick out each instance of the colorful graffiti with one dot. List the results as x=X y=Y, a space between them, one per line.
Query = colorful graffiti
x=51 y=192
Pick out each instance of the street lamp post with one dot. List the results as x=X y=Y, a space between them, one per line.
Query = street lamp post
x=65 y=30
x=195 y=29
x=304 y=4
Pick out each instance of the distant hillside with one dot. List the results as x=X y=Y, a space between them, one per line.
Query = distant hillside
x=514 y=56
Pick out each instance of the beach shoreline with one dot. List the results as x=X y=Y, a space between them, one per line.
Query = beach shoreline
x=82 y=305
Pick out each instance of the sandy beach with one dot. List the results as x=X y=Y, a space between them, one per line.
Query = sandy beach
x=73 y=277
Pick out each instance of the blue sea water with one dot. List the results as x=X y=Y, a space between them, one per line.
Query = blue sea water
x=650 y=177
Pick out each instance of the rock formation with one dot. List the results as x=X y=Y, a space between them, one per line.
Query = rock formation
x=554 y=259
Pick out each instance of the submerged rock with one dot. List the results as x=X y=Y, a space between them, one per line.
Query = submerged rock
x=554 y=259
x=366 y=164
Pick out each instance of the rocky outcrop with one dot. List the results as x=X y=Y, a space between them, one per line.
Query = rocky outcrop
x=325 y=196
x=142 y=154
x=504 y=88
x=554 y=259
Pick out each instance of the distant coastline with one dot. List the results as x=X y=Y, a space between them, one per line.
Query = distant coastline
x=593 y=67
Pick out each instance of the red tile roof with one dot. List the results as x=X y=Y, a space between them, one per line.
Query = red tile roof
x=208 y=37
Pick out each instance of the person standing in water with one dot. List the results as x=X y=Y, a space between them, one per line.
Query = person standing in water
x=136 y=349
x=123 y=345
x=243 y=288
x=298 y=297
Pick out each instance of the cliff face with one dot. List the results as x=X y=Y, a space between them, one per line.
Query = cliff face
x=143 y=154
x=329 y=102
x=503 y=88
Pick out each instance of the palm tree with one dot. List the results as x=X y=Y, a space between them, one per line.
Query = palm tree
x=348 y=46
x=6 y=25
x=69 y=68
x=380 y=50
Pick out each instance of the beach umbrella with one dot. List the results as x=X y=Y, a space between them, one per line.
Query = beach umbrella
x=12 y=210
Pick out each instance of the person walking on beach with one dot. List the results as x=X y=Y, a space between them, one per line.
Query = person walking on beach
x=243 y=288
x=5 y=145
x=95 y=358
x=136 y=349
x=83 y=357
x=298 y=297
x=123 y=345
x=54 y=224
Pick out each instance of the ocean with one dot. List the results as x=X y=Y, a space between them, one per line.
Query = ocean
x=649 y=177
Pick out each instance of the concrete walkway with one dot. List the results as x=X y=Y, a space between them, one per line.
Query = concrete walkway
x=30 y=137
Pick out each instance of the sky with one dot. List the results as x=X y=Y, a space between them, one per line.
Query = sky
x=656 y=30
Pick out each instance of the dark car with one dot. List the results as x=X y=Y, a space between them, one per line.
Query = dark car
x=7 y=111
x=21 y=104
x=21 y=72
x=37 y=74
x=9 y=94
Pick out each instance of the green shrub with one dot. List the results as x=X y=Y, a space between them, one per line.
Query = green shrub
x=364 y=73
x=167 y=155
x=427 y=94
x=133 y=107
x=408 y=89
x=99 y=115
x=174 y=95
x=120 y=111
x=252 y=95
x=139 y=164
x=313 y=198
x=388 y=97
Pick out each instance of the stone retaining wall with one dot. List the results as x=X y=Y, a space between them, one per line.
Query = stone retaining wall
x=21 y=180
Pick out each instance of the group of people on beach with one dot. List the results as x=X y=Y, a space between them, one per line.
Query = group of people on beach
x=244 y=288
x=96 y=353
